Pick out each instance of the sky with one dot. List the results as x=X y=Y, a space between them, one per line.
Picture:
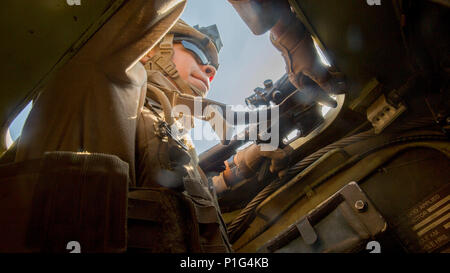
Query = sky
x=246 y=60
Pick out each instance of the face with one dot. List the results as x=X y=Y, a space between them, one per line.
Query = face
x=189 y=69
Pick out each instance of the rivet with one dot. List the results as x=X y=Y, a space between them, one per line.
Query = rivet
x=360 y=205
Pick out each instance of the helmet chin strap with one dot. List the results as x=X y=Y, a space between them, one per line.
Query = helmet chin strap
x=162 y=61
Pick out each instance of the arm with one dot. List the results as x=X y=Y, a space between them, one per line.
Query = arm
x=292 y=39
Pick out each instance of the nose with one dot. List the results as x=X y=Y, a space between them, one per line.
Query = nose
x=210 y=71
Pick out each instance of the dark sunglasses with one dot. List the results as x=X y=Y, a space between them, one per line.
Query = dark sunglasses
x=201 y=56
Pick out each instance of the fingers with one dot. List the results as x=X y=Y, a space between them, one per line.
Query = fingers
x=276 y=154
x=303 y=59
x=279 y=159
x=334 y=84
x=278 y=164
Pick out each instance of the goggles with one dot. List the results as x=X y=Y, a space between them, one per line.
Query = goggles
x=199 y=53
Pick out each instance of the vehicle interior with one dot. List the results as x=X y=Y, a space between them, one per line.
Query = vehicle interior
x=368 y=165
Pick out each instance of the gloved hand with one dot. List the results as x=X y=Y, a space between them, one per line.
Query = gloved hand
x=248 y=162
x=293 y=40
x=250 y=159
x=302 y=60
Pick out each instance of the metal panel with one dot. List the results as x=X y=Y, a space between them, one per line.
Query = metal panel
x=343 y=223
x=38 y=36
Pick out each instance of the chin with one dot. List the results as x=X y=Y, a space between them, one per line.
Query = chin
x=200 y=87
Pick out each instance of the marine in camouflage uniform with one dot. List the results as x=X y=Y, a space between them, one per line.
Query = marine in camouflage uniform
x=169 y=180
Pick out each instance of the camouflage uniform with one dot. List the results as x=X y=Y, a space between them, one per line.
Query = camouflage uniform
x=169 y=180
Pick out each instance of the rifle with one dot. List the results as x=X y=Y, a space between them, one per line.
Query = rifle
x=298 y=110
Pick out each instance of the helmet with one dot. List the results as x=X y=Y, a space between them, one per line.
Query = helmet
x=206 y=38
x=204 y=42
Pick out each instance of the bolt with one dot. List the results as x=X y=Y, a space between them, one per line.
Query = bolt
x=268 y=84
x=360 y=205
x=276 y=96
